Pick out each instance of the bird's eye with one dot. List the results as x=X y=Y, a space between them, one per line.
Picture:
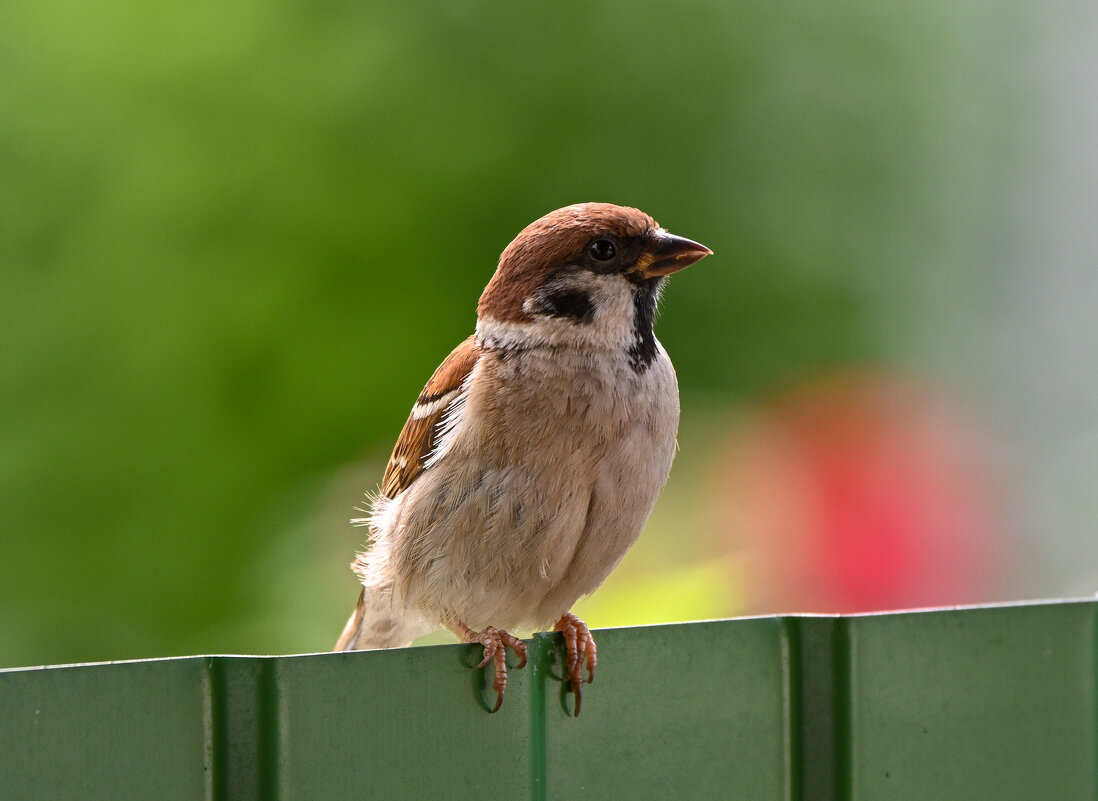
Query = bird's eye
x=602 y=250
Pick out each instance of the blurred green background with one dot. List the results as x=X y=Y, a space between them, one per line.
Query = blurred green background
x=235 y=240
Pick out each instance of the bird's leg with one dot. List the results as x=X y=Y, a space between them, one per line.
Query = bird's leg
x=580 y=648
x=494 y=641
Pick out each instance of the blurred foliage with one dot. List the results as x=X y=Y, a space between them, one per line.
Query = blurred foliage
x=237 y=238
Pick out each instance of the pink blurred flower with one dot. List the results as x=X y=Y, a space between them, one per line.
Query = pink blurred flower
x=857 y=493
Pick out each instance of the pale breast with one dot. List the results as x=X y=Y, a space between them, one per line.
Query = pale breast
x=542 y=483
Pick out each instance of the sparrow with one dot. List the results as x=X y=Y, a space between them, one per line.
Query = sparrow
x=534 y=455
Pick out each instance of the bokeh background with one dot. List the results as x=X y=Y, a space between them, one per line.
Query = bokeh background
x=236 y=238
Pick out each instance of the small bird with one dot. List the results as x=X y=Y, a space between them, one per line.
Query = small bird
x=534 y=455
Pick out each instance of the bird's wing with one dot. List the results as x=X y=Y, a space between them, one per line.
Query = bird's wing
x=421 y=432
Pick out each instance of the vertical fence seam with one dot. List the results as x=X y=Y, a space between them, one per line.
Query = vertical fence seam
x=538 y=649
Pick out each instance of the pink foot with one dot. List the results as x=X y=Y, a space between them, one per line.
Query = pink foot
x=495 y=642
x=580 y=648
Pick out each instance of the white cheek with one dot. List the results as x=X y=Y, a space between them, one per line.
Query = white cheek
x=610 y=328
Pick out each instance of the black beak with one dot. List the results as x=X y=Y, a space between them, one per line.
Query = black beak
x=668 y=254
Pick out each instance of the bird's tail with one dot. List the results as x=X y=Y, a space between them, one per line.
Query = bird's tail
x=376 y=624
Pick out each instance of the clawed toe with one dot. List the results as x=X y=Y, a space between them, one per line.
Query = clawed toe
x=495 y=642
x=579 y=645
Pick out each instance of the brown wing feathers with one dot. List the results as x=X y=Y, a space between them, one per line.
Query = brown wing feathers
x=421 y=431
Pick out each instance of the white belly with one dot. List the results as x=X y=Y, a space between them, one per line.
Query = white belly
x=509 y=530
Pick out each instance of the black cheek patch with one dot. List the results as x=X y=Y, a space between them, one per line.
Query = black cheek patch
x=569 y=304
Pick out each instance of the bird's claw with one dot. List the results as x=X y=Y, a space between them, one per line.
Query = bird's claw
x=579 y=645
x=495 y=642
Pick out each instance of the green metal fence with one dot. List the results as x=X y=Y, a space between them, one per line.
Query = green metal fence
x=978 y=703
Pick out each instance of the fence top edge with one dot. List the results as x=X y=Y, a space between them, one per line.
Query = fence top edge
x=1043 y=602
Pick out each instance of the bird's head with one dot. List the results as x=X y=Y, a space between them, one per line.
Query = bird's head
x=586 y=275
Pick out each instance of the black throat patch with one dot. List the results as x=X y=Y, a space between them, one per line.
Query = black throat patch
x=643 y=350
x=569 y=304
